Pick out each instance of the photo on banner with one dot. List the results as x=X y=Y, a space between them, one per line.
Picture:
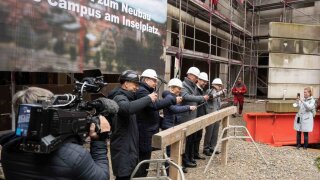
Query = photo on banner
x=73 y=35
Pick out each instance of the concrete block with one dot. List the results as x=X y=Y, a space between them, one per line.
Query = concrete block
x=295 y=31
x=280 y=106
x=294 y=61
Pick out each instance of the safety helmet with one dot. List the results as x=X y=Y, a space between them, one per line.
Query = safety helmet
x=129 y=75
x=175 y=82
x=194 y=70
x=150 y=73
x=203 y=76
x=217 y=81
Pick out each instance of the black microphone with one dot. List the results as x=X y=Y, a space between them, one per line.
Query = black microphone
x=104 y=106
x=162 y=80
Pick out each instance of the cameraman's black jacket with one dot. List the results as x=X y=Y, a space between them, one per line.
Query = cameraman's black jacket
x=70 y=161
x=125 y=133
x=149 y=118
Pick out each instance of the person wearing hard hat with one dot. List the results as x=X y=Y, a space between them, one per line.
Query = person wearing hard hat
x=190 y=98
x=124 y=142
x=201 y=110
x=211 y=135
x=148 y=118
x=171 y=116
x=238 y=92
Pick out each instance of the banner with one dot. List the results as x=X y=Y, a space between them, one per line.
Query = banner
x=72 y=35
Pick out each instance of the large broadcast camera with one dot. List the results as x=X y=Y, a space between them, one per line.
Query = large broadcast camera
x=46 y=125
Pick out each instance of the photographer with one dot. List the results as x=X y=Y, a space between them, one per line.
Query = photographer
x=303 y=121
x=125 y=134
x=70 y=161
x=214 y=103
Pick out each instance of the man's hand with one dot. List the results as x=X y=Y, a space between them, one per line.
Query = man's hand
x=104 y=128
x=192 y=108
x=153 y=96
x=206 y=97
x=178 y=99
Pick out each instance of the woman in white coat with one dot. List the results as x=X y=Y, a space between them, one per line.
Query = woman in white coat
x=303 y=121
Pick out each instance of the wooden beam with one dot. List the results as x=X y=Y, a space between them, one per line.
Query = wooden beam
x=174 y=134
x=224 y=145
x=175 y=156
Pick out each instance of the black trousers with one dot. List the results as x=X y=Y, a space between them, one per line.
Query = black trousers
x=123 y=178
x=306 y=139
x=189 y=149
x=142 y=171
x=197 y=139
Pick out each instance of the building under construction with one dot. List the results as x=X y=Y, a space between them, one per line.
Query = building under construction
x=231 y=38
x=273 y=45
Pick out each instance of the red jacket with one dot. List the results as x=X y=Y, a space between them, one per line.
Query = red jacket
x=239 y=90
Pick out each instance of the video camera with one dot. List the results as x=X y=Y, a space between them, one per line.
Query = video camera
x=46 y=125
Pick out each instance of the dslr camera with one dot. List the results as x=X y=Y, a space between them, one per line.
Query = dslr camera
x=46 y=125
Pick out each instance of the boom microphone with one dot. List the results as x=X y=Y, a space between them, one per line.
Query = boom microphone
x=104 y=106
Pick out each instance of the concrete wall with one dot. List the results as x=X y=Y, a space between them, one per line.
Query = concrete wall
x=294 y=63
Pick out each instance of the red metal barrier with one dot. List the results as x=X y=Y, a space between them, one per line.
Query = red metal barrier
x=277 y=129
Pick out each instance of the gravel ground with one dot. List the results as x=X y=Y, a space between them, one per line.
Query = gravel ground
x=244 y=161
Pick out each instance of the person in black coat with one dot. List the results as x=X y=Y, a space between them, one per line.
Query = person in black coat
x=69 y=161
x=148 y=118
x=201 y=110
x=125 y=134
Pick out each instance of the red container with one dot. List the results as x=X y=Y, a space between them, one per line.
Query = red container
x=277 y=129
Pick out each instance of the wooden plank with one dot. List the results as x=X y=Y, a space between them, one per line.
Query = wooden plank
x=176 y=151
x=174 y=134
x=224 y=145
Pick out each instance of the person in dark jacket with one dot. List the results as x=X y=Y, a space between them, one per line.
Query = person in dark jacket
x=189 y=98
x=125 y=134
x=148 y=118
x=70 y=161
x=201 y=110
x=171 y=114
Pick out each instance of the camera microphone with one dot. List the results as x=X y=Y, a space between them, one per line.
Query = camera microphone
x=104 y=106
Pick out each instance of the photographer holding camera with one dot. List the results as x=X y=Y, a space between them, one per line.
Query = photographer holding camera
x=69 y=161
x=214 y=104
x=303 y=121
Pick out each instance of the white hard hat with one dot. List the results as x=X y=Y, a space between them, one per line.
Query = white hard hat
x=217 y=81
x=193 y=70
x=203 y=76
x=150 y=73
x=175 y=82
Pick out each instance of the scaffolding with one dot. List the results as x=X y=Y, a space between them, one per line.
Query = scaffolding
x=229 y=33
x=224 y=31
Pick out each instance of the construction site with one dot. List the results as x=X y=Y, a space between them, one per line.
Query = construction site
x=273 y=45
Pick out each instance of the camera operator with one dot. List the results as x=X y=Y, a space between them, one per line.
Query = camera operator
x=125 y=133
x=70 y=161
x=149 y=119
